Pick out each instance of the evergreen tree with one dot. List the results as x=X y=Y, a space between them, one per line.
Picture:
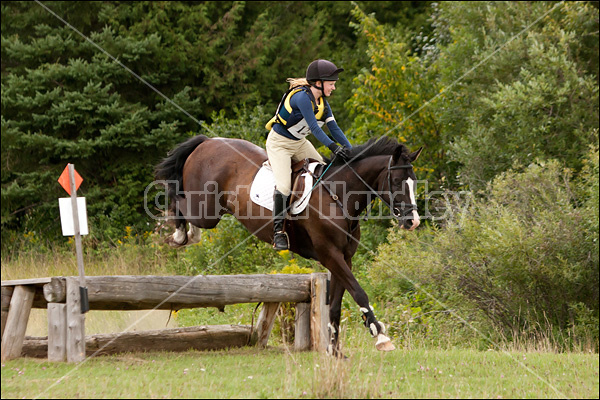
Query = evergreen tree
x=124 y=82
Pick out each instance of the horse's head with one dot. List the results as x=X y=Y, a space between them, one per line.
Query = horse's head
x=395 y=184
x=400 y=187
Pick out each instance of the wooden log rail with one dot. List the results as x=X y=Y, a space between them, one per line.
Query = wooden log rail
x=66 y=337
x=211 y=337
x=126 y=292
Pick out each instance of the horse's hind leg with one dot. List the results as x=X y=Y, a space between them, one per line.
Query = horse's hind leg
x=193 y=234
x=179 y=238
x=193 y=208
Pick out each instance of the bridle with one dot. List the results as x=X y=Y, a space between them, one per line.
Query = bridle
x=405 y=209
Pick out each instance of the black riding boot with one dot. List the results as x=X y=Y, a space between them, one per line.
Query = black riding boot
x=280 y=238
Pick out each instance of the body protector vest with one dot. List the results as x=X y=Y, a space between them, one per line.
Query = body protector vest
x=292 y=119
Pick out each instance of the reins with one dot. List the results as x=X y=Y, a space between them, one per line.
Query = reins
x=333 y=195
x=398 y=213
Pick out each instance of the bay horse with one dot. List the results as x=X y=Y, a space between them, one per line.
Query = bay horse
x=210 y=177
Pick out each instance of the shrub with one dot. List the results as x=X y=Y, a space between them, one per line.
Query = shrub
x=523 y=262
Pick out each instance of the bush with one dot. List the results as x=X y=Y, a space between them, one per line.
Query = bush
x=523 y=263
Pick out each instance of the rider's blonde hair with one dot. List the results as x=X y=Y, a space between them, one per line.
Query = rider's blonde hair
x=295 y=82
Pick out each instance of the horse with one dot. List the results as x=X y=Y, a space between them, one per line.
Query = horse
x=210 y=177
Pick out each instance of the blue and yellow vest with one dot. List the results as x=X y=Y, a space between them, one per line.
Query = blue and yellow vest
x=294 y=122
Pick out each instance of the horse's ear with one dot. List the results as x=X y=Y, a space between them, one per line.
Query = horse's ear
x=397 y=153
x=413 y=156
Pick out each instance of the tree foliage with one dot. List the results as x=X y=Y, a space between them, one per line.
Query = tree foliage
x=507 y=102
x=391 y=97
x=69 y=93
x=492 y=85
x=534 y=92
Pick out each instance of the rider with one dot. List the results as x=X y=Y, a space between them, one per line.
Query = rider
x=302 y=110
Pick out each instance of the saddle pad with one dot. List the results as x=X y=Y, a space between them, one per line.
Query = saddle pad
x=263 y=187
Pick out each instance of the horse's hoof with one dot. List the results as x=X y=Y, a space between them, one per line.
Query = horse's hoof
x=172 y=243
x=338 y=356
x=387 y=346
x=335 y=353
x=384 y=343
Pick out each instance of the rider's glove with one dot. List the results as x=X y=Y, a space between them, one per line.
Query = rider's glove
x=339 y=151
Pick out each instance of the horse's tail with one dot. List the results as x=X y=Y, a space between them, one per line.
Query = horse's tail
x=170 y=169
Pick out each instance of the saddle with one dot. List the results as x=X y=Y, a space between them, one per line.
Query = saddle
x=263 y=185
x=298 y=184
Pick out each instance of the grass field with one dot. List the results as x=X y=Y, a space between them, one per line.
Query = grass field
x=412 y=371
x=277 y=373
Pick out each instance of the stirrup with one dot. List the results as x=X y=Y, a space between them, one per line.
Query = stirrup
x=278 y=244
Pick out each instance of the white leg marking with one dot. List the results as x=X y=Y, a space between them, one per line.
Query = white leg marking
x=329 y=349
x=194 y=234
x=384 y=343
x=179 y=236
x=331 y=328
x=381 y=338
x=373 y=330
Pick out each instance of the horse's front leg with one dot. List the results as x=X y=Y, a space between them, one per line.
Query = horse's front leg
x=336 y=293
x=377 y=330
x=343 y=276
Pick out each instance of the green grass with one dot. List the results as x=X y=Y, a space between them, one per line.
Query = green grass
x=277 y=373
x=422 y=367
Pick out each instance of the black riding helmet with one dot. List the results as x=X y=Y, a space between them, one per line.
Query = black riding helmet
x=322 y=70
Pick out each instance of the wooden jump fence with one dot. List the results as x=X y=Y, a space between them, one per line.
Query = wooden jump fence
x=67 y=341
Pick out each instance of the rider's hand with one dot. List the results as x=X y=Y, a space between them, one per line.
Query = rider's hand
x=339 y=151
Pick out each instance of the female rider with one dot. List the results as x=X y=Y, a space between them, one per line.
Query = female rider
x=302 y=111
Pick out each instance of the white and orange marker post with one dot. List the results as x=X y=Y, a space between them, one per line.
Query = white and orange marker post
x=73 y=216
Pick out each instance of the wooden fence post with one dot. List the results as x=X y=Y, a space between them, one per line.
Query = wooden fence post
x=57 y=332
x=302 y=327
x=7 y=292
x=75 y=323
x=265 y=322
x=319 y=312
x=16 y=321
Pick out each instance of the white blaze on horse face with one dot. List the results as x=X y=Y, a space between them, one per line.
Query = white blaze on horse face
x=411 y=188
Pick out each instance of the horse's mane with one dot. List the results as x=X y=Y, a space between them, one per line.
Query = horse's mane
x=381 y=146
